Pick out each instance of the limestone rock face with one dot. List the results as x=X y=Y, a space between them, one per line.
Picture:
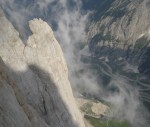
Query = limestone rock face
x=122 y=30
x=38 y=93
x=11 y=112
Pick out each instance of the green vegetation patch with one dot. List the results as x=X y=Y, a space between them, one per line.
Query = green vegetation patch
x=106 y=37
x=141 y=43
x=107 y=123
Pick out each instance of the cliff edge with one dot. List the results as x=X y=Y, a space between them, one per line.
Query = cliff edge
x=34 y=86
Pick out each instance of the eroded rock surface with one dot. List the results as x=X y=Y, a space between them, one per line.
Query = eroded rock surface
x=41 y=95
x=121 y=31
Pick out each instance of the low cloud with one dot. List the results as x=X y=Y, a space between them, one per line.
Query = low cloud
x=69 y=23
x=126 y=102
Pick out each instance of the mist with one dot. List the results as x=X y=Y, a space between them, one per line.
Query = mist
x=69 y=22
x=126 y=102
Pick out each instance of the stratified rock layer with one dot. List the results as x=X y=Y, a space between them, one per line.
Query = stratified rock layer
x=34 y=86
x=123 y=30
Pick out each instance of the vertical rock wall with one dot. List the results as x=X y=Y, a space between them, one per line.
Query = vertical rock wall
x=41 y=77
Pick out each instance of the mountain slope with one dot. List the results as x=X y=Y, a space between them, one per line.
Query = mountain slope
x=121 y=31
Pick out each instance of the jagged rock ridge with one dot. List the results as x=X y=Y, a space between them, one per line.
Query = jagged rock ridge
x=35 y=91
x=122 y=30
